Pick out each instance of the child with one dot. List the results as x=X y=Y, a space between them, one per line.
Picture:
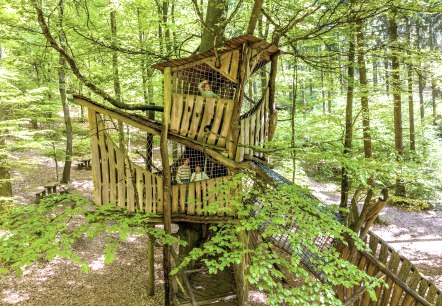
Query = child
x=183 y=173
x=198 y=175
x=205 y=89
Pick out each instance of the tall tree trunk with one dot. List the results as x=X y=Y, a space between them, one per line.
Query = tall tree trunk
x=293 y=117
x=213 y=33
x=433 y=81
x=254 y=16
x=62 y=88
x=345 y=181
x=396 y=87
x=410 y=91
x=116 y=74
x=421 y=79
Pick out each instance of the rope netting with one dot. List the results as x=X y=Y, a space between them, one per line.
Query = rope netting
x=255 y=87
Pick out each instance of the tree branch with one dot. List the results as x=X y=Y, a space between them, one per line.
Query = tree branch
x=77 y=72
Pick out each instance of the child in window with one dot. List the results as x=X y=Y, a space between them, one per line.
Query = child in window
x=206 y=90
x=198 y=175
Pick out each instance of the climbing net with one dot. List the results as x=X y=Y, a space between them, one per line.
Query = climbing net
x=255 y=87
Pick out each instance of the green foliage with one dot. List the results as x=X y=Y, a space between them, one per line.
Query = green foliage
x=408 y=203
x=41 y=232
x=279 y=210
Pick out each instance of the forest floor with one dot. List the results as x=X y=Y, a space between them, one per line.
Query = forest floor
x=416 y=235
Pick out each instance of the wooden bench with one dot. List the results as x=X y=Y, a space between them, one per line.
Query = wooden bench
x=50 y=188
x=84 y=164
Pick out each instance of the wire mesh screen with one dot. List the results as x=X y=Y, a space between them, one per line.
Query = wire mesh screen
x=189 y=165
x=203 y=80
x=255 y=87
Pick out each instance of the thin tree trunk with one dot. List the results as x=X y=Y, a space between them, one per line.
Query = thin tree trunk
x=421 y=79
x=345 y=181
x=5 y=176
x=254 y=16
x=62 y=88
x=216 y=15
x=396 y=87
x=410 y=92
x=293 y=117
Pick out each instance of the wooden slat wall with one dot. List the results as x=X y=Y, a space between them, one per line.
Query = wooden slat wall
x=406 y=286
x=254 y=129
x=192 y=198
x=204 y=119
x=117 y=179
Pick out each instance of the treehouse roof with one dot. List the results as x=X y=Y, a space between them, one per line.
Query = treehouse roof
x=267 y=50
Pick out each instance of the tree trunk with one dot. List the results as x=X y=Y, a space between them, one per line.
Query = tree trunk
x=5 y=176
x=421 y=79
x=293 y=117
x=345 y=181
x=213 y=33
x=410 y=92
x=396 y=87
x=254 y=16
x=62 y=88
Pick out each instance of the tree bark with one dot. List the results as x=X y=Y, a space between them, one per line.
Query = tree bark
x=345 y=180
x=396 y=87
x=213 y=31
x=254 y=16
x=410 y=91
x=66 y=177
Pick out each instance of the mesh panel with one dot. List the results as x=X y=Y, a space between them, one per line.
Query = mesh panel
x=255 y=87
x=186 y=81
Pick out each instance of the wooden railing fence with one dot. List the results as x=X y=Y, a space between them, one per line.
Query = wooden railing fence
x=406 y=286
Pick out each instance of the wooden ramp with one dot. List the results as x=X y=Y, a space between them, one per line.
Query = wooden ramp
x=210 y=289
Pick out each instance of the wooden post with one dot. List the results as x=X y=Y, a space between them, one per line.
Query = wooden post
x=151 y=266
x=240 y=271
x=167 y=207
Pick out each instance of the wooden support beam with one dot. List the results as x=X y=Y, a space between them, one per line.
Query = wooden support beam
x=167 y=205
x=151 y=266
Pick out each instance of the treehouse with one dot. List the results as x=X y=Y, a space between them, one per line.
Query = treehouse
x=218 y=112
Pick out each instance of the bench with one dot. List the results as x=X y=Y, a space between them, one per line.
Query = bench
x=84 y=164
x=50 y=188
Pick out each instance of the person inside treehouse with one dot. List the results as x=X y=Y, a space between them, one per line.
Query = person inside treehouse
x=198 y=175
x=206 y=90
x=183 y=173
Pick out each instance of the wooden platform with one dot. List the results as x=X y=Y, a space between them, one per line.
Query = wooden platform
x=211 y=289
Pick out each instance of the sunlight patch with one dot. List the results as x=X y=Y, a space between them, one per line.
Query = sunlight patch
x=14 y=297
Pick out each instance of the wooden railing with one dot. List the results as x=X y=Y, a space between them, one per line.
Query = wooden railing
x=406 y=286
x=206 y=120
x=117 y=179
x=192 y=198
x=254 y=129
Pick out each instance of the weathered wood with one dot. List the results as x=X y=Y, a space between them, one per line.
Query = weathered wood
x=208 y=115
x=121 y=179
x=149 y=200
x=233 y=69
x=177 y=112
x=183 y=200
x=139 y=188
x=413 y=282
x=403 y=273
x=151 y=265
x=187 y=115
x=160 y=194
x=112 y=172
x=175 y=199
x=130 y=191
x=393 y=264
x=217 y=120
x=95 y=155
x=191 y=199
x=204 y=196
x=196 y=117
x=104 y=161
x=166 y=191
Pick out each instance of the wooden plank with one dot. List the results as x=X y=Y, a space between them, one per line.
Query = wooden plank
x=191 y=199
x=209 y=112
x=423 y=286
x=183 y=200
x=95 y=155
x=439 y=299
x=204 y=195
x=112 y=172
x=130 y=176
x=413 y=282
x=121 y=178
x=246 y=136
x=226 y=123
x=148 y=199
x=373 y=243
x=196 y=117
x=177 y=112
x=431 y=294
x=392 y=266
x=175 y=199
x=217 y=120
x=226 y=58
x=241 y=143
x=252 y=132
x=187 y=114
x=403 y=273
x=233 y=69
x=139 y=188
x=159 y=191
x=155 y=191
x=220 y=196
x=102 y=139
x=198 y=198
x=371 y=270
x=211 y=194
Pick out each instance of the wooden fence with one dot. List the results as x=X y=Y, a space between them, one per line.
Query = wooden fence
x=254 y=129
x=206 y=120
x=406 y=286
x=117 y=179
x=192 y=198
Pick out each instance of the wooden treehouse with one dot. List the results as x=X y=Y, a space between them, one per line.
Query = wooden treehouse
x=218 y=110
